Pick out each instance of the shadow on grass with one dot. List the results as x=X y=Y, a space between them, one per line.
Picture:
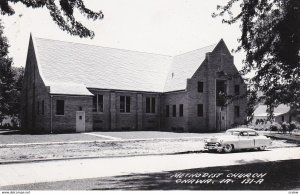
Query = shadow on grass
x=280 y=175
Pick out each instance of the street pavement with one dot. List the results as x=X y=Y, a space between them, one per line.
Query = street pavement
x=50 y=171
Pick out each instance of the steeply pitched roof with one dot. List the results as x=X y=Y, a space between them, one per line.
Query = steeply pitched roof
x=71 y=64
x=261 y=110
x=183 y=67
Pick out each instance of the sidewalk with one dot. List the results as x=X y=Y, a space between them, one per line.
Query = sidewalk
x=25 y=173
x=284 y=136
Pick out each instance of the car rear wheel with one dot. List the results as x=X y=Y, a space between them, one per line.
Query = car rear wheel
x=262 y=148
x=228 y=148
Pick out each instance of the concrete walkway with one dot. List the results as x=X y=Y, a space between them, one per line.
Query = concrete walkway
x=286 y=136
x=25 y=173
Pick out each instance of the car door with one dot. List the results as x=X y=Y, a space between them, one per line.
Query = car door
x=261 y=140
x=245 y=141
x=253 y=137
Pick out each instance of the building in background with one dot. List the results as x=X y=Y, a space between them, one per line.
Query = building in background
x=71 y=87
x=282 y=113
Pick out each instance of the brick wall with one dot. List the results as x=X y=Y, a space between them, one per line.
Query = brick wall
x=126 y=121
x=101 y=120
x=67 y=122
x=151 y=121
x=219 y=60
x=137 y=119
x=177 y=123
x=34 y=91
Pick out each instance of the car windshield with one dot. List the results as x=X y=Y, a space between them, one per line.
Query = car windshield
x=236 y=133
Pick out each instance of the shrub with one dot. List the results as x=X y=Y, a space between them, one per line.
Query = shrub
x=260 y=126
x=297 y=125
x=275 y=127
x=285 y=127
x=294 y=126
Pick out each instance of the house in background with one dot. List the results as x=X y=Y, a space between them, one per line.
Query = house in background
x=71 y=87
x=282 y=113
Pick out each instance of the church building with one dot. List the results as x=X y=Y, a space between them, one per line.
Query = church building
x=72 y=87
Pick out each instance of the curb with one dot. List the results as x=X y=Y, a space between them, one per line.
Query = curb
x=97 y=141
x=92 y=157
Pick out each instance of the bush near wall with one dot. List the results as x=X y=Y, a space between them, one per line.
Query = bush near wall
x=10 y=123
x=279 y=127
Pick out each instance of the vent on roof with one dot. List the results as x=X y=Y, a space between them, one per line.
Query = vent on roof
x=172 y=74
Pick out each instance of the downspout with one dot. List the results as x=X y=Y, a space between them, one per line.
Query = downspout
x=51 y=124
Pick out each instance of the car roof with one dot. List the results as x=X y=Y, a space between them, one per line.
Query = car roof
x=241 y=129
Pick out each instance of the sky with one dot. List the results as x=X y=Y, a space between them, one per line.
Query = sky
x=167 y=27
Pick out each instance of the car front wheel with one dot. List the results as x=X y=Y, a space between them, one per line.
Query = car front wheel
x=228 y=148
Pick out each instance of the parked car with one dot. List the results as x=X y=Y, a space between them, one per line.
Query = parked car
x=237 y=139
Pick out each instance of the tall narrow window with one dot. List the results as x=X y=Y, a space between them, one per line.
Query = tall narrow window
x=127 y=109
x=60 y=107
x=43 y=107
x=98 y=103
x=153 y=105
x=237 y=89
x=95 y=103
x=220 y=92
x=38 y=107
x=200 y=87
x=181 y=110
x=150 y=105
x=124 y=103
x=237 y=111
x=174 y=111
x=167 y=110
x=200 y=110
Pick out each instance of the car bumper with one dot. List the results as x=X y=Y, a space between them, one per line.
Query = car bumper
x=213 y=147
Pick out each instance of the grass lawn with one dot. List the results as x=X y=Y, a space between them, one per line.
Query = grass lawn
x=109 y=149
x=17 y=137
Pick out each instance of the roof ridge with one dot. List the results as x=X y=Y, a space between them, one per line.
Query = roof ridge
x=103 y=46
x=196 y=49
x=172 y=56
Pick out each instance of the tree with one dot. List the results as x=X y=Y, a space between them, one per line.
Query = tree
x=61 y=14
x=15 y=100
x=6 y=76
x=271 y=39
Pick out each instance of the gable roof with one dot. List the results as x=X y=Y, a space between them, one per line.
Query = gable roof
x=64 y=64
x=261 y=110
x=183 y=67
